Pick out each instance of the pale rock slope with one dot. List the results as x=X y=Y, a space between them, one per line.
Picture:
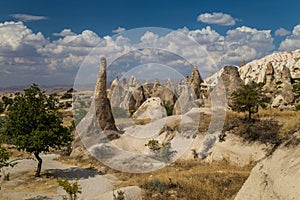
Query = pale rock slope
x=274 y=178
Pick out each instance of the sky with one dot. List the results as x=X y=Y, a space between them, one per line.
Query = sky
x=50 y=42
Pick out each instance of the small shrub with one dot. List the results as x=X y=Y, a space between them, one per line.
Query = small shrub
x=195 y=154
x=72 y=189
x=6 y=177
x=119 y=196
x=155 y=185
x=169 y=108
x=163 y=151
x=66 y=96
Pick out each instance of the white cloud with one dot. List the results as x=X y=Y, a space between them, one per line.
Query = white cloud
x=35 y=58
x=119 y=30
x=27 y=18
x=64 y=33
x=282 y=32
x=291 y=42
x=217 y=18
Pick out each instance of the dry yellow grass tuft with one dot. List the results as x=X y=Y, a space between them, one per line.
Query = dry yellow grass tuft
x=189 y=180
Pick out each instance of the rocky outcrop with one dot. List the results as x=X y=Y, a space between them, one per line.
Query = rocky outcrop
x=195 y=81
x=186 y=101
x=278 y=71
x=152 y=109
x=231 y=80
x=166 y=94
x=102 y=103
x=257 y=69
x=274 y=178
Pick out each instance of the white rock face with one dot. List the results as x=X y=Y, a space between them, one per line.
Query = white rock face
x=236 y=151
x=152 y=109
x=276 y=177
x=256 y=69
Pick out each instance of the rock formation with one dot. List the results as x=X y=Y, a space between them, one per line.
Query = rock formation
x=274 y=178
x=151 y=109
x=167 y=96
x=195 y=81
x=231 y=79
x=102 y=103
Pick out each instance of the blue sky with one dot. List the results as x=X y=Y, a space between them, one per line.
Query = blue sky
x=33 y=32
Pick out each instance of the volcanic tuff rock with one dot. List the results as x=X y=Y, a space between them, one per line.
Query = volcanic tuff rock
x=150 y=110
x=195 y=81
x=102 y=103
x=274 y=178
x=257 y=69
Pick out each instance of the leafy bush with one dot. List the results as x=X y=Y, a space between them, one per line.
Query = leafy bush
x=163 y=151
x=66 y=96
x=155 y=185
x=72 y=189
x=169 y=108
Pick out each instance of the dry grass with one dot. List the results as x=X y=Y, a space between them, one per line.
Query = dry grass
x=189 y=180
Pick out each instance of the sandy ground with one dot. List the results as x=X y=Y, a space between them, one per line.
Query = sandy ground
x=23 y=184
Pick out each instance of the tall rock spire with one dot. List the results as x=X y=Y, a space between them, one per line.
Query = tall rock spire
x=102 y=104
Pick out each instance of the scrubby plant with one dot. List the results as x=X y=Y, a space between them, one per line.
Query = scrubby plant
x=119 y=196
x=163 y=151
x=169 y=109
x=72 y=189
x=195 y=153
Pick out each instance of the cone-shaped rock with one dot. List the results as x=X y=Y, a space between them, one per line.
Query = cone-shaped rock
x=102 y=103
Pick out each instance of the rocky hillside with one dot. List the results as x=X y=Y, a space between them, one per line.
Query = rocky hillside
x=281 y=62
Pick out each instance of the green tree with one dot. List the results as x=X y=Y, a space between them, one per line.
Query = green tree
x=296 y=90
x=249 y=98
x=34 y=124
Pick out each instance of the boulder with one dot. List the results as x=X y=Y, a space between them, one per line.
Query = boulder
x=152 y=109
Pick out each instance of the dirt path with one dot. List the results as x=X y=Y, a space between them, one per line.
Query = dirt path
x=23 y=184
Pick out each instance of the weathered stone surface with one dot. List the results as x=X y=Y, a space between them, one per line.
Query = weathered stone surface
x=151 y=109
x=186 y=101
x=231 y=81
x=102 y=103
x=274 y=178
x=167 y=96
x=256 y=69
x=195 y=81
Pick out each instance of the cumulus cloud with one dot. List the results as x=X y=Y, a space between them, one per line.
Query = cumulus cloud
x=35 y=58
x=27 y=18
x=119 y=30
x=218 y=18
x=291 y=42
x=282 y=32
x=64 y=33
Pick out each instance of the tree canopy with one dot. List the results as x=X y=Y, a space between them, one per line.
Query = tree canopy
x=249 y=98
x=34 y=124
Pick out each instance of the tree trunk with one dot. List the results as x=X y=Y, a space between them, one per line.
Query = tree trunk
x=249 y=114
x=39 y=166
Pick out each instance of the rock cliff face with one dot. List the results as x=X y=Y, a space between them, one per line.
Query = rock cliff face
x=274 y=178
x=278 y=72
x=258 y=69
